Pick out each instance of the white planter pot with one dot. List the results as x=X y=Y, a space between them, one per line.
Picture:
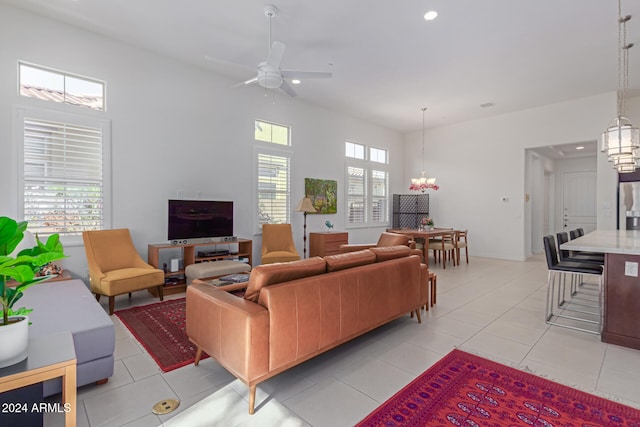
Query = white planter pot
x=14 y=341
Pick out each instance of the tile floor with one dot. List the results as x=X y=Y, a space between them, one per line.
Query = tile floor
x=493 y=308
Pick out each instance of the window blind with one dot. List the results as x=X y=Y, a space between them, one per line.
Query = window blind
x=63 y=177
x=356 y=195
x=274 y=189
x=380 y=196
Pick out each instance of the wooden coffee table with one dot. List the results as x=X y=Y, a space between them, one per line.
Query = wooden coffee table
x=50 y=356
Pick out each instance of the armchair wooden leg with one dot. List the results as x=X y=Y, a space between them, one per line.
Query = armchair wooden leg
x=129 y=294
x=160 y=292
x=252 y=399
x=198 y=356
x=112 y=305
x=98 y=297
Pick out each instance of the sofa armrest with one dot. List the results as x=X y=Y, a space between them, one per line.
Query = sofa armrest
x=232 y=330
x=352 y=247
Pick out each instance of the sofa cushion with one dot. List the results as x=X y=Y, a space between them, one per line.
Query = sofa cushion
x=391 y=252
x=350 y=259
x=392 y=239
x=270 y=274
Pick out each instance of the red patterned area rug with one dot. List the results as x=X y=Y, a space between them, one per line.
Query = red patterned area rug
x=466 y=390
x=160 y=328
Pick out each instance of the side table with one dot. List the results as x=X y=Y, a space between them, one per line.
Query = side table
x=50 y=356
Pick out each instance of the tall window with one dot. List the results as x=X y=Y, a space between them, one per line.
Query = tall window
x=273 y=167
x=367 y=180
x=64 y=172
x=57 y=86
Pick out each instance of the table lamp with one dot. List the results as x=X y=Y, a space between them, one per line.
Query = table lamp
x=306 y=207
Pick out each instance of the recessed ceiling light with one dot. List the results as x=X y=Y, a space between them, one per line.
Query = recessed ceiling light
x=579 y=147
x=431 y=15
x=295 y=81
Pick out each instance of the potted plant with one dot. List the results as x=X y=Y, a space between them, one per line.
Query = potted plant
x=21 y=269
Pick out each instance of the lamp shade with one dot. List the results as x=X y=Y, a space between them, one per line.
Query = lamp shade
x=620 y=138
x=305 y=205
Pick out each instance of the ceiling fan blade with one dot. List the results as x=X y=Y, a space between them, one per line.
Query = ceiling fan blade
x=286 y=88
x=276 y=54
x=295 y=74
x=251 y=81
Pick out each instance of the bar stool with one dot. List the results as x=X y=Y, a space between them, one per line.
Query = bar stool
x=556 y=291
x=579 y=232
x=588 y=257
x=576 y=280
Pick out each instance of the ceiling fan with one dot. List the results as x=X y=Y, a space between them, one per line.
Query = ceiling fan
x=270 y=75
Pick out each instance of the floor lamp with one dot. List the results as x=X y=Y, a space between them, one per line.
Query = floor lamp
x=306 y=207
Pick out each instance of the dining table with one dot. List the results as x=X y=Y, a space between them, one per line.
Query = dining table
x=425 y=234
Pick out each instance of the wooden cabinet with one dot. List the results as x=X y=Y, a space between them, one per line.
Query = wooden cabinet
x=191 y=255
x=327 y=243
x=621 y=302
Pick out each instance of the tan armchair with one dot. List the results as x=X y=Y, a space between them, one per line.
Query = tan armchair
x=277 y=244
x=115 y=267
x=385 y=239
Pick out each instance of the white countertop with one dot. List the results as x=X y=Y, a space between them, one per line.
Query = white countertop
x=607 y=241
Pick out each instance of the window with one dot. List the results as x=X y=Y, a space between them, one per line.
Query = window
x=367 y=185
x=354 y=150
x=57 y=86
x=270 y=132
x=64 y=172
x=273 y=166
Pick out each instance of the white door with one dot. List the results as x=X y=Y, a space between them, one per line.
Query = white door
x=579 y=200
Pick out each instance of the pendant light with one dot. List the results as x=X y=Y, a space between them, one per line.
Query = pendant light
x=423 y=183
x=621 y=141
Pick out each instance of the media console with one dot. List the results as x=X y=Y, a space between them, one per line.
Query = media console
x=212 y=252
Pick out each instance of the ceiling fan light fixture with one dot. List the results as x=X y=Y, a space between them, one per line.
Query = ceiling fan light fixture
x=430 y=15
x=269 y=80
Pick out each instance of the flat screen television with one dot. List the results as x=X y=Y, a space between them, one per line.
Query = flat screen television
x=196 y=219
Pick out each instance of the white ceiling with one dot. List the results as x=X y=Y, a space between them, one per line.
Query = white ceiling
x=387 y=61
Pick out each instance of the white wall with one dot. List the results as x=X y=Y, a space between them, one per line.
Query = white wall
x=478 y=163
x=176 y=127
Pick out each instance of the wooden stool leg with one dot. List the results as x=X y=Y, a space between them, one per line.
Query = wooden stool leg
x=434 y=283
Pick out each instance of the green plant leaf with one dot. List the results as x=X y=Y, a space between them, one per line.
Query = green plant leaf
x=8 y=232
x=19 y=273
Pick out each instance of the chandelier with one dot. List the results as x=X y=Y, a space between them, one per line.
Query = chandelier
x=423 y=183
x=621 y=141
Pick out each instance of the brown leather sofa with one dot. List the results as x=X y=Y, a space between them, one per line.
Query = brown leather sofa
x=386 y=239
x=294 y=311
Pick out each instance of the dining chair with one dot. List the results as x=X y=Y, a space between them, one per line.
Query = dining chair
x=461 y=242
x=445 y=249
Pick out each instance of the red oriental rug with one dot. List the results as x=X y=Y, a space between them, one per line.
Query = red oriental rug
x=466 y=390
x=161 y=329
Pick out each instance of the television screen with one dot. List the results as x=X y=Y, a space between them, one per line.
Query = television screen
x=193 y=219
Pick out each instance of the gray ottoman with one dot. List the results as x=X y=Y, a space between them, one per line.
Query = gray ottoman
x=69 y=306
x=214 y=269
